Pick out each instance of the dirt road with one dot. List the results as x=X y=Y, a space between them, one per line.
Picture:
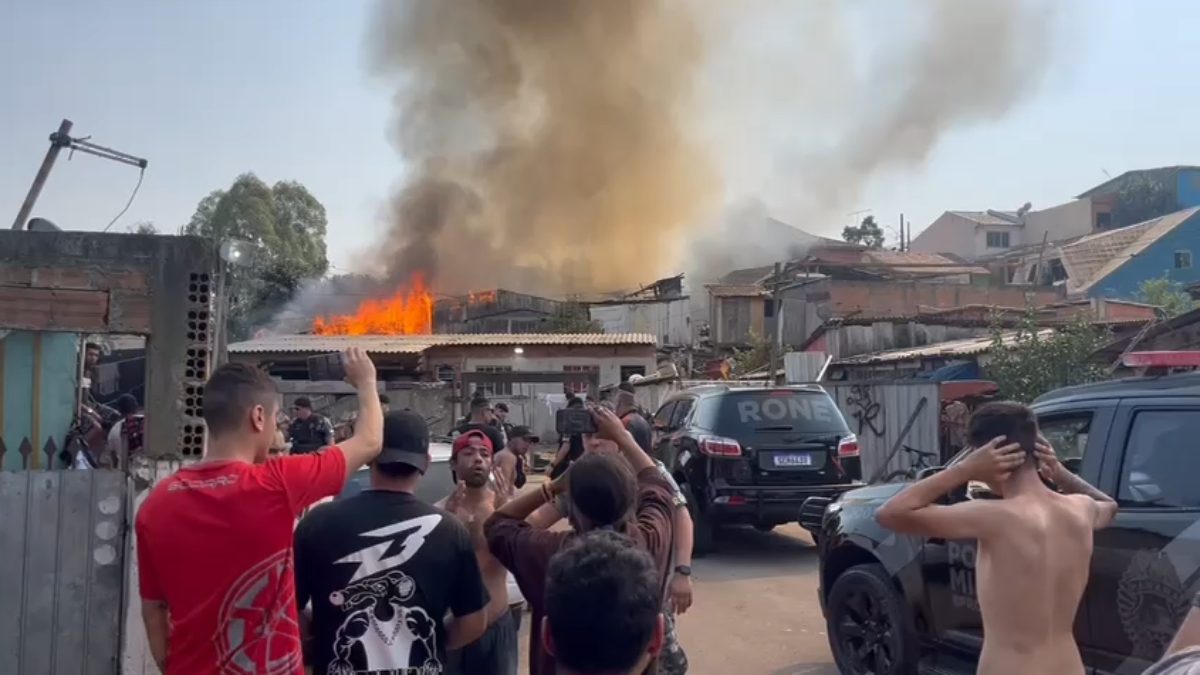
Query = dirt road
x=756 y=610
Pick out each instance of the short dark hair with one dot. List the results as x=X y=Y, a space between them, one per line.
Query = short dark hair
x=478 y=402
x=126 y=404
x=231 y=391
x=602 y=603
x=302 y=402
x=92 y=345
x=602 y=488
x=502 y=406
x=396 y=469
x=1015 y=421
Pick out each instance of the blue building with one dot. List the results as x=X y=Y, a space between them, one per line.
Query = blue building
x=1183 y=182
x=1114 y=264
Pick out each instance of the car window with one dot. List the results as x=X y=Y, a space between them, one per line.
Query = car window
x=1160 y=464
x=771 y=410
x=662 y=419
x=681 y=412
x=1068 y=434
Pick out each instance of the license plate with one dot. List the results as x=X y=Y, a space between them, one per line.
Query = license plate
x=793 y=460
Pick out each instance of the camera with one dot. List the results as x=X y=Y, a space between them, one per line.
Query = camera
x=326 y=367
x=571 y=421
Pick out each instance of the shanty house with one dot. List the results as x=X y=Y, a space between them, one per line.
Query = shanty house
x=660 y=309
x=494 y=311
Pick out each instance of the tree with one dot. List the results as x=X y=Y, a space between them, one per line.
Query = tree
x=1141 y=198
x=1167 y=294
x=752 y=359
x=1029 y=364
x=573 y=317
x=143 y=227
x=287 y=226
x=868 y=233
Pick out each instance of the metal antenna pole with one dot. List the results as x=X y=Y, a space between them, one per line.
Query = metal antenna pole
x=58 y=140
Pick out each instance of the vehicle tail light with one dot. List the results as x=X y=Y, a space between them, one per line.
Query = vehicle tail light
x=848 y=446
x=717 y=446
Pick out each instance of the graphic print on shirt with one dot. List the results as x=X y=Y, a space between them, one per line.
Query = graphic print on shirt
x=256 y=634
x=392 y=635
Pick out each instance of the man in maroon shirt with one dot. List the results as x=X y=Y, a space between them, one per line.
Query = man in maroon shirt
x=604 y=494
x=214 y=540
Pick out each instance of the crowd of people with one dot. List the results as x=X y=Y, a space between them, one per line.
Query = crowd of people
x=235 y=576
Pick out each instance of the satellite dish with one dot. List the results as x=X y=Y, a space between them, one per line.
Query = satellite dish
x=42 y=225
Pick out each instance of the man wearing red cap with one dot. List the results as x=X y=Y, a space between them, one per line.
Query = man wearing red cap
x=480 y=491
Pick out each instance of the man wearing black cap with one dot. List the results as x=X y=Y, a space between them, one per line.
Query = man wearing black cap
x=309 y=432
x=383 y=568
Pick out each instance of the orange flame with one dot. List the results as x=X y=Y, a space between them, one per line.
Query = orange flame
x=407 y=312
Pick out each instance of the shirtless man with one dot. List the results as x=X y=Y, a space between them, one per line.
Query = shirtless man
x=481 y=491
x=1035 y=544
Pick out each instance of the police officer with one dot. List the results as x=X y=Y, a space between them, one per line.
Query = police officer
x=309 y=431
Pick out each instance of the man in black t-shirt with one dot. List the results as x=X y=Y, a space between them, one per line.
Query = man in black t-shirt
x=383 y=568
x=483 y=419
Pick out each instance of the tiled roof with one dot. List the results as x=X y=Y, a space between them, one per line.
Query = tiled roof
x=952 y=348
x=415 y=344
x=985 y=218
x=1094 y=257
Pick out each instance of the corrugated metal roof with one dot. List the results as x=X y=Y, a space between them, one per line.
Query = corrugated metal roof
x=736 y=291
x=415 y=344
x=951 y=348
x=1145 y=234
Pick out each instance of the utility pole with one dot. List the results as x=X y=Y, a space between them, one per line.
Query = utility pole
x=777 y=340
x=62 y=139
x=58 y=140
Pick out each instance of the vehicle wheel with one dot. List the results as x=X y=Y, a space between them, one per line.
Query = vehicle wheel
x=702 y=528
x=764 y=527
x=870 y=630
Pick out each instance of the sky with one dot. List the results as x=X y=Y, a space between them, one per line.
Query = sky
x=208 y=90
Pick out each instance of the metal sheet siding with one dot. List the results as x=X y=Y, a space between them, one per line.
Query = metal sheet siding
x=878 y=412
x=62 y=549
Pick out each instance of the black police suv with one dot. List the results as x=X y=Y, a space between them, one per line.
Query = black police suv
x=897 y=604
x=753 y=455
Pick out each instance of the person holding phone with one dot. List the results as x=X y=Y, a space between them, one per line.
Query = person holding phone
x=238 y=507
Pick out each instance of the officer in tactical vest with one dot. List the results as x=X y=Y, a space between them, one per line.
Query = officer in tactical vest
x=309 y=431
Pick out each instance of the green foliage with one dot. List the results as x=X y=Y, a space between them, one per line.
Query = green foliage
x=286 y=224
x=1167 y=294
x=1034 y=364
x=752 y=359
x=572 y=318
x=143 y=227
x=1141 y=198
x=868 y=233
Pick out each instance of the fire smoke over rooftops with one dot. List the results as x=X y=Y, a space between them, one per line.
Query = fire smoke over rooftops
x=584 y=145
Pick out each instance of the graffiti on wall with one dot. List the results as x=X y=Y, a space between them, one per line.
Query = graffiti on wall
x=866 y=410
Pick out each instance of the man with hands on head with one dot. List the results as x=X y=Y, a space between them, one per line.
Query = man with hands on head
x=1035 y=544
x=625 y=493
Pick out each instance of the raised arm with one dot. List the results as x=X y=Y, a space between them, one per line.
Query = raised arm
x=1104 y=508
x=914 y=511
x=367 y=440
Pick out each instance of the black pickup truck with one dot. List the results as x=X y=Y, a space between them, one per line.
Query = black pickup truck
x=897 y=605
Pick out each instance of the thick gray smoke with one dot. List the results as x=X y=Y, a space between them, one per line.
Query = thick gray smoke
x=586 y=145
x=547 y=142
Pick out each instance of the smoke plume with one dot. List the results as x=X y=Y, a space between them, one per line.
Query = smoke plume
x=585 y=145
x=547 y=143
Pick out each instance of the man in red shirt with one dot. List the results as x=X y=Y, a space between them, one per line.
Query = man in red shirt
x=214 y=540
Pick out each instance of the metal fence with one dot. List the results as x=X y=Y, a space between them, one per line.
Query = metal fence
x=62 y=552
x=887 y=415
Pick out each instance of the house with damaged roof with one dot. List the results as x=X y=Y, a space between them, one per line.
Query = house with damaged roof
x=1113 y=263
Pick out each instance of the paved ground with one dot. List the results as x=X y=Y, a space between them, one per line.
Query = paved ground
x=756 y=610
